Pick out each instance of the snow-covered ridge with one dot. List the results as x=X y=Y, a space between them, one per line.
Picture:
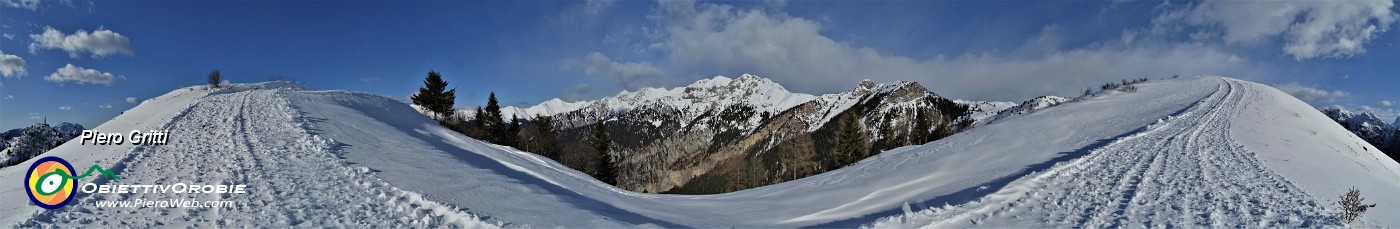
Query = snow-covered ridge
x=831 y=105
x=703 y=95
x=1028 y=106
x=984 y=110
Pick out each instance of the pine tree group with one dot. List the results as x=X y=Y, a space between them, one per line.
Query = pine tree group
x=539 y=137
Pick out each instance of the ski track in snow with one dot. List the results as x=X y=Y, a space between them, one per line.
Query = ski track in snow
x=279 y=165
x=1184 y=171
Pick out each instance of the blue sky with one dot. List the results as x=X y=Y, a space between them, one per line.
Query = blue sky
x=1326 y=53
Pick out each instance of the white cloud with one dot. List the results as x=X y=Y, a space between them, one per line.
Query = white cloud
x=371 y=79
x=1308 y=29
x=105 y=106
x=578 y=92
x=11 y=65
x=81 y=75
x=35 y=116
x=596 y=7
x=1312 y=95
x=8 y=36
x=1385 y=103
x=130 y=99
x=629 y=75
x=22 y=4
x=1386 y=114
x=100 y=43
x=709 y=39
x=9 y=96
x=65 y=108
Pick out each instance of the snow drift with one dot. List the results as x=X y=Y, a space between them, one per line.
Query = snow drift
x=1206 y=151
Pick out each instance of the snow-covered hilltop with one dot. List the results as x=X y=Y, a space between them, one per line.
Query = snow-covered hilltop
x=1190 y=152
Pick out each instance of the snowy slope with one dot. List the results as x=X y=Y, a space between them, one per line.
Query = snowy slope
x=982 y=111
x=1246 y=156
x=954 y=171
x=151 y=114
x=242 y=134
x=1191 y=152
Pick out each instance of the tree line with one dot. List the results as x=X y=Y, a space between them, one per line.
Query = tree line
x=530 y=134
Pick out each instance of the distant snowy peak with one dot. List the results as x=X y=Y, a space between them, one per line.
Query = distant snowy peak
x=547 y=108
x=68 y=128
x=1366 y=126
x=898 y=95
x=865 y=85
x=1362 y=119
x=760 y=93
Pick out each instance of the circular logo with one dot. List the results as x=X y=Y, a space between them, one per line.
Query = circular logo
x=50 y=182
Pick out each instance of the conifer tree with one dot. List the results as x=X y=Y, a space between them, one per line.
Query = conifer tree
x=512 y=135
x=492 y=120
x=850 y=144
x=600 y=143
x=922 y=126
x=541 y=139
x=476 y=128
x=434 y=96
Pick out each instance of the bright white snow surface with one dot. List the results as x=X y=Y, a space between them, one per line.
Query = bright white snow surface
x=1192 y=152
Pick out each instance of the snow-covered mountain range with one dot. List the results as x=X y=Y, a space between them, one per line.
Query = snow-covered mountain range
x=1386 y=137
x=667 y=137
x=1189 y=152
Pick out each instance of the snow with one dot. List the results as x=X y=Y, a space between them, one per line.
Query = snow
x=547 y=108
x=831 y=105
x=984 y=110
x=1190 y=152
x=1247 y=155
x=695 y=99
x=242 y=134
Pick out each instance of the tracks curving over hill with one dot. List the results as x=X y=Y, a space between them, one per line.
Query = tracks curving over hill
x=1184 y=171
x=251 y=138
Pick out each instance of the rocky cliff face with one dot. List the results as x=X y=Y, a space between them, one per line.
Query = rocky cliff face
x=800 y=142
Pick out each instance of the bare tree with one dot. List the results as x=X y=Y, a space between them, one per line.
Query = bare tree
x=1352 y=207
x=214 y=79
